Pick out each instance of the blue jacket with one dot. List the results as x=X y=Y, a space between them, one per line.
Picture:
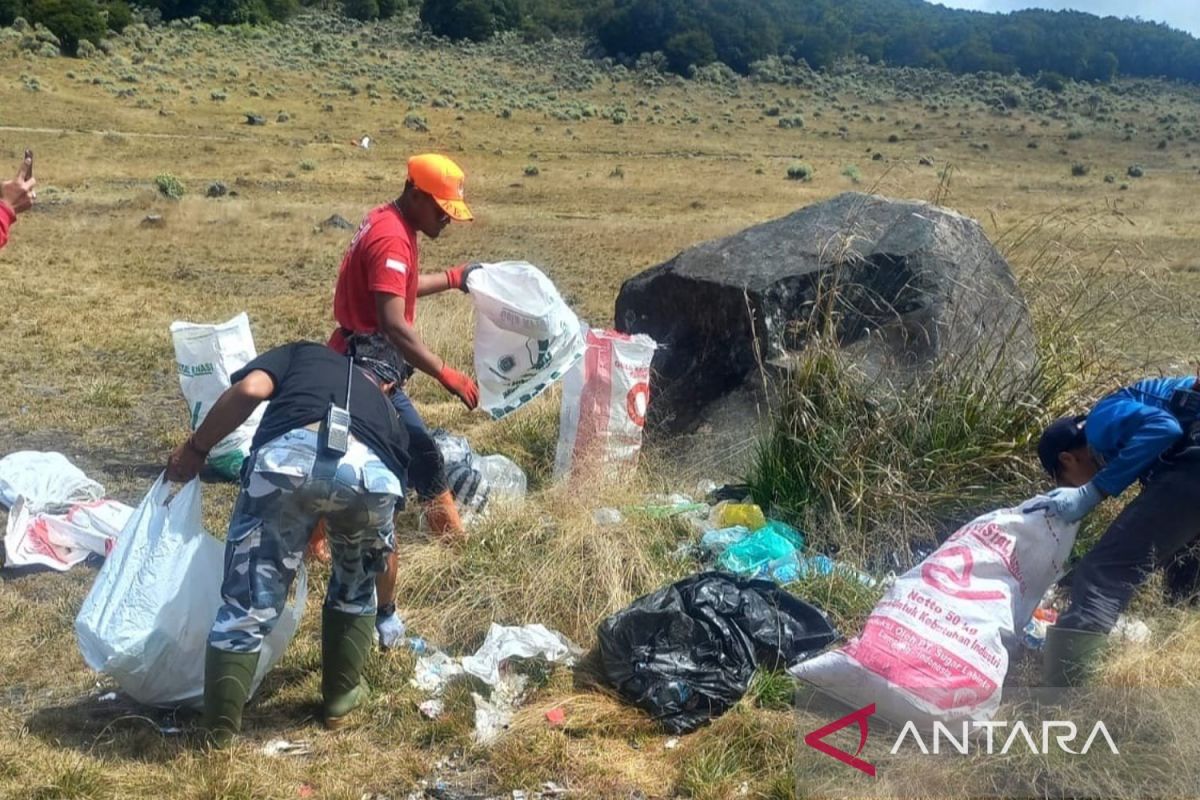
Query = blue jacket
x=1131 y=428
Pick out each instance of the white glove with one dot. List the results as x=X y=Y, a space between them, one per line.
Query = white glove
x=389 y=630
x=1070 y=505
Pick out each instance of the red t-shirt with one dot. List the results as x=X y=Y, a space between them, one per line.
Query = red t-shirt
x=7 y=218
x=382 y=257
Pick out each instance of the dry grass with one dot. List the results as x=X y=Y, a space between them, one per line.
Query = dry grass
x=90 y=292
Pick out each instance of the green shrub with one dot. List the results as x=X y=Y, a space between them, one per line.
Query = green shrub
x=120 y=16
x=800 y=172
x=531 y=171
x=72 y=21
x=1079 y=170
x=169 y=186
x=308 y=166
x=1074 y=136
x=361 y=9
x=459 y=19
x=389 y=8
x=1136 y=171
x=853 y=173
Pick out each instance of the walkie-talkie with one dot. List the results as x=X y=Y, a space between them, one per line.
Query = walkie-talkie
x=336 y=430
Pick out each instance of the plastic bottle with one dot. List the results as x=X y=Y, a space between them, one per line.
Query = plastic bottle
x=747 y=515
x=417 y=645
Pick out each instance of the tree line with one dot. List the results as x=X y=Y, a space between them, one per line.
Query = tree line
x=695 y=33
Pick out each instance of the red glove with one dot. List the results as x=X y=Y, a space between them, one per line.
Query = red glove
x=460 y=385
x=456 y=278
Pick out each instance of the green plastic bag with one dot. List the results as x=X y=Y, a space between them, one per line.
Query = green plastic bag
x=754 y=554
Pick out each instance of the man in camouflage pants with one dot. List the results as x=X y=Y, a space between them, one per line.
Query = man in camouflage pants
x=292 y=479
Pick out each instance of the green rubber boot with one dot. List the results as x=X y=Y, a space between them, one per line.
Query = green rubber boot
x=227 y=680
x=346 y=641
x=1071 y=656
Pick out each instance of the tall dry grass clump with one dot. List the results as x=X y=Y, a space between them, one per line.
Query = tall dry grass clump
x=869 y=467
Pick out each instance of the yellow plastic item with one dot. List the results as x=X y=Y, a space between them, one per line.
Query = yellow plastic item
x=747 y=515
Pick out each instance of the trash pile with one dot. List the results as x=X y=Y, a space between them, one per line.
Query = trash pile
x=527 y=338
x=737 y=536
x=146 y=620
x=205 y=357
x=686 y=653
x=476 y=480
x=58 y=516
x=496 y=665
x=934 y=647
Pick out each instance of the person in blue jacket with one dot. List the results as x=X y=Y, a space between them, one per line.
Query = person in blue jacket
x=1145 y=432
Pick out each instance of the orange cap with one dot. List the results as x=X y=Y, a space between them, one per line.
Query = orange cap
x=442 y=179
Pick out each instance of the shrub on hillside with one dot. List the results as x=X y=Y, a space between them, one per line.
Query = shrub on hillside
x=119 y=15
x=800 y=172
x=361 y=9
x=460 y=19
x=72 y=21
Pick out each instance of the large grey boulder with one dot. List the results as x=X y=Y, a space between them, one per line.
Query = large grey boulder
x=902 y=285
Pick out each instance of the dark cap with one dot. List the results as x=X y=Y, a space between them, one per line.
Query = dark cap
x=1066 y=433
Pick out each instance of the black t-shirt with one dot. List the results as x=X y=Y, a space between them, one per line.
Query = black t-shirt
x=308 y=377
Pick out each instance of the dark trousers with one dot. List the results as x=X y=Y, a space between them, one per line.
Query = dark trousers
x=1155 y=531
x=426 y=468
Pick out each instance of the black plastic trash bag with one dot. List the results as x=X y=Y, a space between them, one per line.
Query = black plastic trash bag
x=686 y=653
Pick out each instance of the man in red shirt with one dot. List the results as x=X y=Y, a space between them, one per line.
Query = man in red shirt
x=376 y=297
x=16 y=196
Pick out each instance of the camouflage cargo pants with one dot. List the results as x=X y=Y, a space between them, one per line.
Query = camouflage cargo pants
x=288 y=487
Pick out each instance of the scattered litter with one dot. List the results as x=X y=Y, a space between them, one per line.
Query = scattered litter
x=282 y=747
x=714 y=543
x=433 y=708
x=1130 y=629
x=519 y=794
x=706 y=487
x=672 y=743
x=166 y=730
x=364 y=143
x=674 y=505
x=107 y=698
x=686 y=653
x=1034 y=634
x=526 y=336
x=933 y=648
x=748 y=515
x=794 y=567
x=433 y=671
x=205 y=357
x=753 y=554
x=606 y=396
x=552 y=789
x=505 y=642
x=478 y=480
x=417 y=645
x=306 y=790
x=606 y=517
x=138 y=622
x=60 y=541
x=729 y=493
x=47 y=481
x=556 y=716
x=490 y=720
x=508 y=481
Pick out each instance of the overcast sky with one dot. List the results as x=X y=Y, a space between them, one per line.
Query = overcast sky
x=1183 y=14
